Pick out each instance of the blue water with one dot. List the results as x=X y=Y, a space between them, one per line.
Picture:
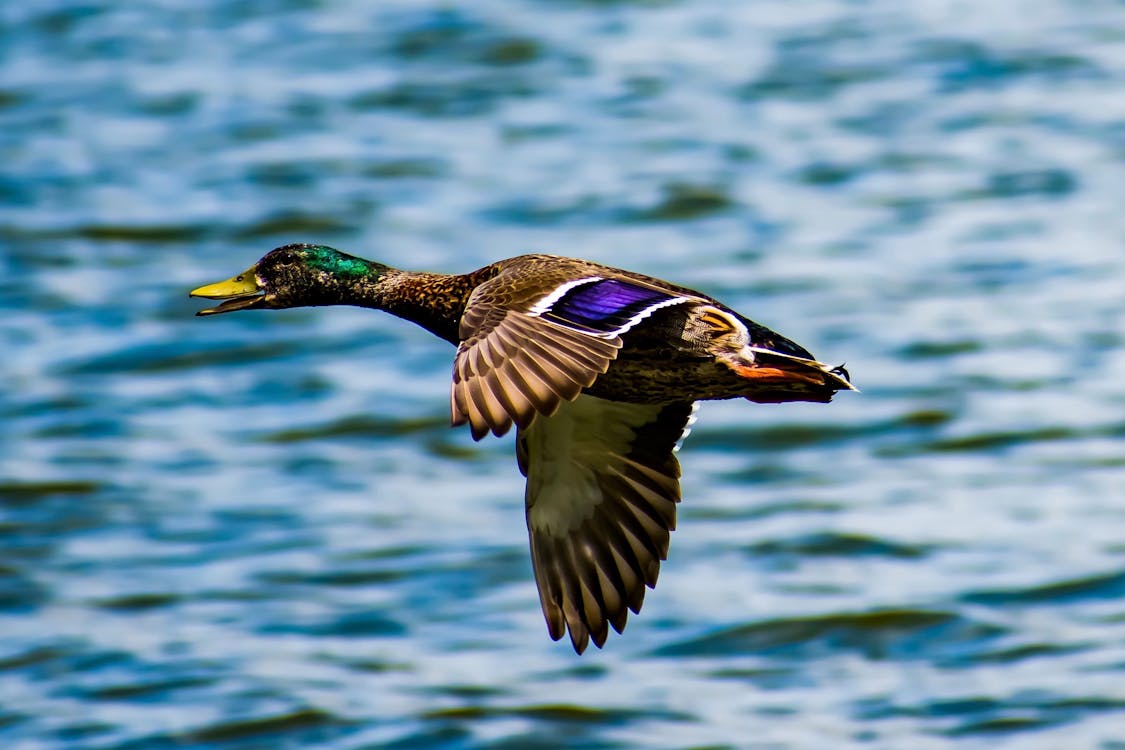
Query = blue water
x=258 y=531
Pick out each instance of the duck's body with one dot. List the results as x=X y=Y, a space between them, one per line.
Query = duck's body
x=598 y=368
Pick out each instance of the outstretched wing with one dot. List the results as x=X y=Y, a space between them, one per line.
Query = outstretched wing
x=602 y=488
x=527 y=347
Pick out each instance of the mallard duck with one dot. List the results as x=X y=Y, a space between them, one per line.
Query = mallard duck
x=598 y=368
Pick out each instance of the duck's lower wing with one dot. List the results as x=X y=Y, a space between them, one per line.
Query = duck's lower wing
x=602 y=488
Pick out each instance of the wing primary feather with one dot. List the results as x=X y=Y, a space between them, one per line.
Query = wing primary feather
x=641 y=550
x=584 y=376
x=548 y=580
x=647 y=504
x=572 y=597
x=562 y=386
x=585 y=352
x=484 y=359
x=638 y=536
x=593 y=604
x=613 y=585
x=489 y=413
x=479 y=421
x=458 y=413
x=647 y=526
x=512 y=398
x=628 y=566
x=537 y=390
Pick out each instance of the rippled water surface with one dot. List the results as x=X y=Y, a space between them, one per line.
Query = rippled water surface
x=258 y=531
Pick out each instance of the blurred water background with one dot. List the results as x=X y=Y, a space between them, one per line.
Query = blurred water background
x=258 y=531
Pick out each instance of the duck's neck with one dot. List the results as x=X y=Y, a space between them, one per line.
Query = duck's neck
x=434 y=301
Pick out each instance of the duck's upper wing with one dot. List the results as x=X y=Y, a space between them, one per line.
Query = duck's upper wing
x=539 y=332
x=602 y=488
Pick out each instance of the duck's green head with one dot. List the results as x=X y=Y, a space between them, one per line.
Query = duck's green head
x=290 y=276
